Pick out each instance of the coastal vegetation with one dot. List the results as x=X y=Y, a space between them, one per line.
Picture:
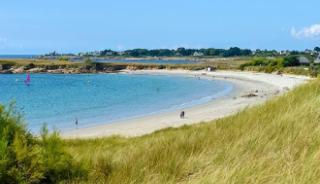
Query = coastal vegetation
x=293 y=64
x=185 y=52
x=275 y=142
x=25 y=158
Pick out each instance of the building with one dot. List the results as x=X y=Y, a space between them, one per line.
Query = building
x=317 y=61
x=197 y=54
x=303 y=60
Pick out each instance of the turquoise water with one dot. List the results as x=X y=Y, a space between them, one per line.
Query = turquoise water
x=102 y=98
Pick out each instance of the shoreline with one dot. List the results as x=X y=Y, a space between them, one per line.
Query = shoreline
x=249 y=89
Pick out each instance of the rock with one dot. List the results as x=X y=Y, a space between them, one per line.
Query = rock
x=57 y=71
x=6 y=72
x=18 y=70
x=250 y=95
x=70 y=71
x=37 y=70
x=75 y=71
x=286 y=88
x=277 y=73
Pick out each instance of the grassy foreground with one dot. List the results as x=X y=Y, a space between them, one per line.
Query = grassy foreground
x=277 y=142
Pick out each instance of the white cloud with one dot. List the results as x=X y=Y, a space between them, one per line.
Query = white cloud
x=312 y=31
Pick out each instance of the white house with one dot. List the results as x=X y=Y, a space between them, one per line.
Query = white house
x=197 y=54
x=303 y=60
x=317 y=61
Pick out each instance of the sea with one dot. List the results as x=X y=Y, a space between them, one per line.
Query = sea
x=59 y=100
x=18 y=56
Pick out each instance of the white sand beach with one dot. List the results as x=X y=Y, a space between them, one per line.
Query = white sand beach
x=249 y=89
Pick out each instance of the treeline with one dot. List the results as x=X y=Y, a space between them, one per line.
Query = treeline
x=233 y=51
x=204 y=52
x=210 y=52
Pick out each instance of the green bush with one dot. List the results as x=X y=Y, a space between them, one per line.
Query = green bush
x=291 y=61
x=27 y=159
x=29 y=66
x=264 y=64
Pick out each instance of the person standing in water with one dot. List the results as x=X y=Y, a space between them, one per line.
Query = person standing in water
x=182 y=114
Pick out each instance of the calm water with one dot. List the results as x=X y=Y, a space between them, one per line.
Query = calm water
x=102 y=98
x=148 y=61
x=18 y=56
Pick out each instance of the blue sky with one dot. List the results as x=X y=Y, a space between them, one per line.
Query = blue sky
x=40 y=26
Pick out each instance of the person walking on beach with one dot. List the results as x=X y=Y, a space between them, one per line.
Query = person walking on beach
x=182 y=114
x=76 y=122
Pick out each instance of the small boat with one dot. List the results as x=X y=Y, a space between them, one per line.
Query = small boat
x=28 y=80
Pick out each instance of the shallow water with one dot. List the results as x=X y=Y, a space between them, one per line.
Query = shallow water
x=94 y=99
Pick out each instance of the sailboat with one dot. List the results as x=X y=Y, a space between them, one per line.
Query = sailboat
x=28 y=80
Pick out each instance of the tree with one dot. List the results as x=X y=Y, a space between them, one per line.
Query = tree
x=291 y=61
x=317 y=49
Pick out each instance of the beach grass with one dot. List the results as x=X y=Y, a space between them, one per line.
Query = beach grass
x=276 y=142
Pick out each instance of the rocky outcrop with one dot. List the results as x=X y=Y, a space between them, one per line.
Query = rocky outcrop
x=37 y=70
x=56 y=70
x=18 y=70
x=6 y=72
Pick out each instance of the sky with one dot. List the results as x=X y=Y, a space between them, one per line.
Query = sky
x=71 y=26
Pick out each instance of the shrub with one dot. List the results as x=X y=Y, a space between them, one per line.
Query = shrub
x=27 y=159
x=29 y=66
x=291 y=61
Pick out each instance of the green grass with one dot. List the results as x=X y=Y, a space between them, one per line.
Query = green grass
x=277 y=142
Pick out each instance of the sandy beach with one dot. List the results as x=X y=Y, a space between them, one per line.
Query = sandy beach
x=249 y=89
